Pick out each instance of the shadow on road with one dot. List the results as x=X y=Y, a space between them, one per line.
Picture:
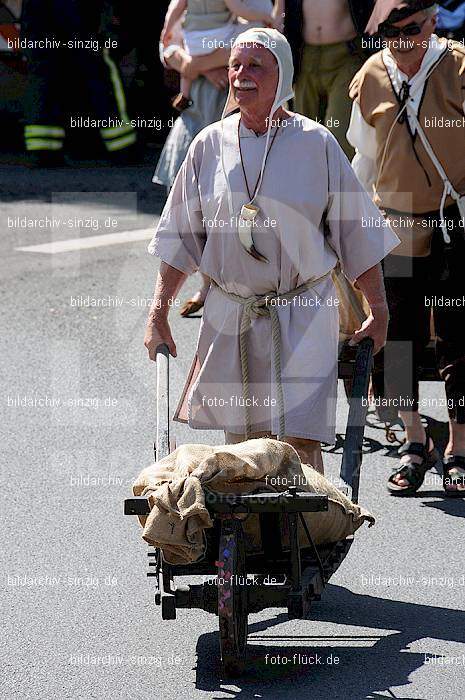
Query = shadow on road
x=361 y=673
x=438 y=430
x=82 y=180
x=449 y=506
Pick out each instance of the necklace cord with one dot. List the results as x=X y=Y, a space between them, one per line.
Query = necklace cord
x=252 y=197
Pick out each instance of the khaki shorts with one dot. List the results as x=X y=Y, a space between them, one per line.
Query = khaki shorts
x=322 y=86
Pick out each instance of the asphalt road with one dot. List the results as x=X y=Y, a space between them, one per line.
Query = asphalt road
x=78 y=404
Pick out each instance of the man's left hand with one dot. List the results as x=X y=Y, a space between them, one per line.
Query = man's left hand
x=375 y=327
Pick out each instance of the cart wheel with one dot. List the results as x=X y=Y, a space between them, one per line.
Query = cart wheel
x=232 y=597
x=168 y=607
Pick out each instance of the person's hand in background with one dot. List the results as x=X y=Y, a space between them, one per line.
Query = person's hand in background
x=218 y=77
x=278 y=15
x=269 y=20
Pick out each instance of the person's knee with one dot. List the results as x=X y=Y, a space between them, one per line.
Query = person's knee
x=234 y=438
x=309 y=451
x=303 y=442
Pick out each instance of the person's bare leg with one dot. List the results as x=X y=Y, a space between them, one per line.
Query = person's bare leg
x=414 y=429
x=309 y=452
x=182 y=100
x=198 y=299
x=234 y=438
x=177 y=59
x=456 y=446
x=185 y=86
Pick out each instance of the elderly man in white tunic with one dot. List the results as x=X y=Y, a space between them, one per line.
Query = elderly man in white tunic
x=266 y=204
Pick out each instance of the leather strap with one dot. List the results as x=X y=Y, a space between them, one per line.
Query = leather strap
x=413 y=448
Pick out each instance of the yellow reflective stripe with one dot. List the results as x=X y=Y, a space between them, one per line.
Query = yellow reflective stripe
x=117 y=85
x=108 y=132
x=37 y=130
x=122 y=142
x=43 y=145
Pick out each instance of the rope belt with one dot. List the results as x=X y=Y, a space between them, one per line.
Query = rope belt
x=265 y=305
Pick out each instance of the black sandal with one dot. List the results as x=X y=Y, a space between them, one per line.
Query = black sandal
x=448 y=479
x=180 y=102
x=413 y=473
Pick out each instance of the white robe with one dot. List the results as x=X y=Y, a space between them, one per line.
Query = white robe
x=307 y=179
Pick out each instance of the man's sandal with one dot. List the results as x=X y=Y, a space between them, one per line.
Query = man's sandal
x=180 y=102
x=190 y=307
x=412 y=472
x=455 y=464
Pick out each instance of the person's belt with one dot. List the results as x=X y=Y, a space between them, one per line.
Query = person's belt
x=265 y=305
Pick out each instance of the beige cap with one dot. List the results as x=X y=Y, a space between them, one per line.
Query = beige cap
x=279 y=46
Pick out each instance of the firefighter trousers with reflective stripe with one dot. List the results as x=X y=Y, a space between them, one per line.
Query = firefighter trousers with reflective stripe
x=70 y=80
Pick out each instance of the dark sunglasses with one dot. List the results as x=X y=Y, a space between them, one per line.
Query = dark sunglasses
x=391 y=32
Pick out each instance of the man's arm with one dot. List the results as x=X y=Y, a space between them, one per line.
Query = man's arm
x=371 y=283
x=362 y=137
x=279 y=13
x=198 y=65
x=192 y=66
x=157 y=331
x=239 y=8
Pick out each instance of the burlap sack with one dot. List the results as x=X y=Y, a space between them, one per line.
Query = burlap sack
x=343 y=518
x=179 y=518
x=353 y=307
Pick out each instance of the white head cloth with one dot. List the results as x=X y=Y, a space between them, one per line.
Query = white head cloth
x=277 y=43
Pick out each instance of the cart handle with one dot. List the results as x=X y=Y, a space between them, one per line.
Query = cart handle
x=353 y=443
x=163 y=350
x=161 y=445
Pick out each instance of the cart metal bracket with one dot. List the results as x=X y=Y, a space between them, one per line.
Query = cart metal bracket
x=138 y=505
x=312 y=546
x=290 y=501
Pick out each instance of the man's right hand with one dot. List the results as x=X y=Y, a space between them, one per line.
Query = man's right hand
x=157 y=332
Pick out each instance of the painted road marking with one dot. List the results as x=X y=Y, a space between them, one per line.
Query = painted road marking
x=85 y=242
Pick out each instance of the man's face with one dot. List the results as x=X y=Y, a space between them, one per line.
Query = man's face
x=403 y=45
x=253 y=76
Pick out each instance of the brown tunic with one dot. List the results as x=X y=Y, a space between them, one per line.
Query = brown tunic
x=409 y=182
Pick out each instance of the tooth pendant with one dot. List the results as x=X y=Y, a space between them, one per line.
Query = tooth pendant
x=245 y=225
